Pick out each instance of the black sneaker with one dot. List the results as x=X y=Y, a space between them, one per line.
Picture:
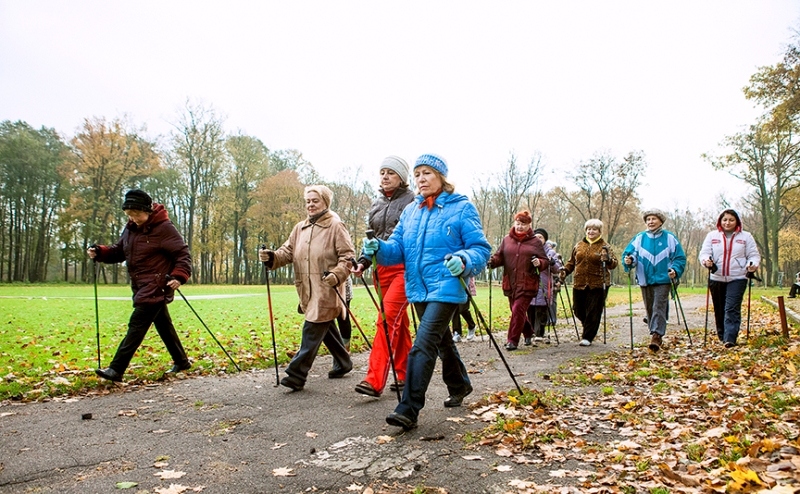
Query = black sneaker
x=292 y=383
x=456 y=399
x=400 y=420
x=338 y=373
x=109 y=374
x=528 y=342
x=179 y=367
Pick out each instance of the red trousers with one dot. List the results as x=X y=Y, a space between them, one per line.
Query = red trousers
x=393 y=291
x=519 y=314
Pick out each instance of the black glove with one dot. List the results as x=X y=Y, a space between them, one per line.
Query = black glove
x=713 y=268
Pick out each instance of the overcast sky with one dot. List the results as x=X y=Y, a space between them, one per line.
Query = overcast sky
x=348 y=83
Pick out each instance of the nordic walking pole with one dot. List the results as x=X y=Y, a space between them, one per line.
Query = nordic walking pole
x=749 y=288
x=272 y=323
x=488 y=331
x=350 y=312
x=680 y=305
x=370 y=235
x=708 y=292
x=571 y=310
x=490 y=304
x=605 y=294
x=630 y=306
x=205 y=326
x=97 y=311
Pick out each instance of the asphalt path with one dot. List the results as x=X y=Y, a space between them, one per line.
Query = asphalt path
x=240 y=433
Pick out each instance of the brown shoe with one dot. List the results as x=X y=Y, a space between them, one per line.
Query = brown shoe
x=366 y=388
x=655 y=342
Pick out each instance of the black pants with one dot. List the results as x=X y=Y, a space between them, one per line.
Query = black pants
x=315 y=334
x=462 y=311
x=589 y=309
x=140 y=322
x=793 y=291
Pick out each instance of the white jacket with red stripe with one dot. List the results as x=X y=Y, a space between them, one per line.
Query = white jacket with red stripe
x=731 y=255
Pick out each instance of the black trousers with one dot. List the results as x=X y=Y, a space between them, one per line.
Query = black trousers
x=314 y=335
x=140 y=322
x=588 y=304
x=462 y=311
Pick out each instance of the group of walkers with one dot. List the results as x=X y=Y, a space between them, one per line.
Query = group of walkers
x=425 y=250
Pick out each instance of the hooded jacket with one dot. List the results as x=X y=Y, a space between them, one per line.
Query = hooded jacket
x=385 y=213
x=316 y=248
x=520 y=276
x=151 y=251
x=423 y=238
x=544 y=296
x=731 y=255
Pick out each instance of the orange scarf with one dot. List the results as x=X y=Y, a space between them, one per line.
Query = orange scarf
x=429 y=201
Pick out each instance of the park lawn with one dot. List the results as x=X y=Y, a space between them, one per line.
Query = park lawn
x=48 y=335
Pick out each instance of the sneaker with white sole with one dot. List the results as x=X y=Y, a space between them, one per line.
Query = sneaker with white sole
x=456 y=338
x=538 y=339
x=470 y=334
x=585 y=343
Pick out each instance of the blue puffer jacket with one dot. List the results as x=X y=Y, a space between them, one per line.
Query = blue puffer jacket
x=423 y=238
x=653 y=256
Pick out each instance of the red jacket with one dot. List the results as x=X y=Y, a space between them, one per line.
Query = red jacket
x=520 y=277
x=151 y=251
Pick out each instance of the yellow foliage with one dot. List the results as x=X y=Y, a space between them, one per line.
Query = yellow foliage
x=743 y=480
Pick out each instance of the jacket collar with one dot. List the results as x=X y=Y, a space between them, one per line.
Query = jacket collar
x=323 y=221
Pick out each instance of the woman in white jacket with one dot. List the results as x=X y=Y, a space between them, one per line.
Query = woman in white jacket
x=730 y=253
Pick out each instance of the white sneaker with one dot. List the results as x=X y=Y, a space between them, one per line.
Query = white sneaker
x=585 y=343
x=471 y=334
x=456 y=338
x=538 y=339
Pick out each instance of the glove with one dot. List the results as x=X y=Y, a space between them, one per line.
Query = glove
x=455 y=264
x=266 y=256
x=330 y=279
x=562 y=275
x=370 y=246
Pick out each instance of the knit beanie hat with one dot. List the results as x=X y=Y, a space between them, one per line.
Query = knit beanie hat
x=139 y=200
x=434 y=161
x=542 y=231
x=397 y=165
x=654 y=212
x=324 y=192
x=523 y=217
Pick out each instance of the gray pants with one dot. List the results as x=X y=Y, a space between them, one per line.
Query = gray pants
x=656 y=303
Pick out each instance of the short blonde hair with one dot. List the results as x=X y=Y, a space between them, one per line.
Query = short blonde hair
x=594 y=223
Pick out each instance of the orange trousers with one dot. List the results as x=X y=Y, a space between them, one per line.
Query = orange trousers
x=393 y=291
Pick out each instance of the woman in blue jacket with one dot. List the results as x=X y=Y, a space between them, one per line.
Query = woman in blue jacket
x=658 y=259
x=439 y=239
x=731 y=254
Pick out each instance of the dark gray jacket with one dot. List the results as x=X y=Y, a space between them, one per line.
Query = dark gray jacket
x=385 y=214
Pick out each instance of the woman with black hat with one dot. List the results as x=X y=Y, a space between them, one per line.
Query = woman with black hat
x=732 y=255
x=158 y=262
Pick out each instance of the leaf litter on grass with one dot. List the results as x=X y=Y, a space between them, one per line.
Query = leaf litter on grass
x=687 y=419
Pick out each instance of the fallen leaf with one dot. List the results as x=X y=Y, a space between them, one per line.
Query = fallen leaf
x=354 y=487
x=455 y=419
x=160 y=431
x=311 y=434
x=473 y=457
x=127 y=413
x=126 y=485
x=161 y=464
x=503 y=468
x=169 y=474
x=283 y=472
x=279 y=445
x=383 y=439
x=172 y=489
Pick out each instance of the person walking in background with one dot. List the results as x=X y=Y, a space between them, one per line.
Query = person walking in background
x=440 y=240
x=463 y=311
x=540 y=310
x=658 y=258
x=343 y=321
x=522 y=257
x=320 y=250
x=393 y=197
x=795 y=286
x=732 y=256
x=591 y=282
x=152 y=249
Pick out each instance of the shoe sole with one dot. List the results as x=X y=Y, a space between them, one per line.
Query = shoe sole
x=654 y=348
x=407 y=426
x=367 y=392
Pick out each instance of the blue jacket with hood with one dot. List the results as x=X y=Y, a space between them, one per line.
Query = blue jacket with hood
x=423 y=238
x=653 y=255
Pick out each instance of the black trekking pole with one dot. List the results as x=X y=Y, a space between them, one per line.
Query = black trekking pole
x=749 y=277
x=488 y=331
x=350 y=312
x=571 y=309
x=370 y=235
x=205 y=326
x=96 y=271
x=708 y=292
x=630 y=306
x=490 y=304
x=605 y=290
x=680 y=305
x=272 y=323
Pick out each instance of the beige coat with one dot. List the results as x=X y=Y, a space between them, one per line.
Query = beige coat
x=315 y=249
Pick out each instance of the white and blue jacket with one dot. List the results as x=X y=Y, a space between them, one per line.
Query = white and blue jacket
x=422 y=239
x=653 y=255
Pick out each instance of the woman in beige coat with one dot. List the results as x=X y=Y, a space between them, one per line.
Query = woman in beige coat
x=319 y=247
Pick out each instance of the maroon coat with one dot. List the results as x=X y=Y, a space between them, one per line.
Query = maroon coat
x=520 y=277
x=151 y=251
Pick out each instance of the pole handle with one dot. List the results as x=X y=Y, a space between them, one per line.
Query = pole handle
x=370 y=233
